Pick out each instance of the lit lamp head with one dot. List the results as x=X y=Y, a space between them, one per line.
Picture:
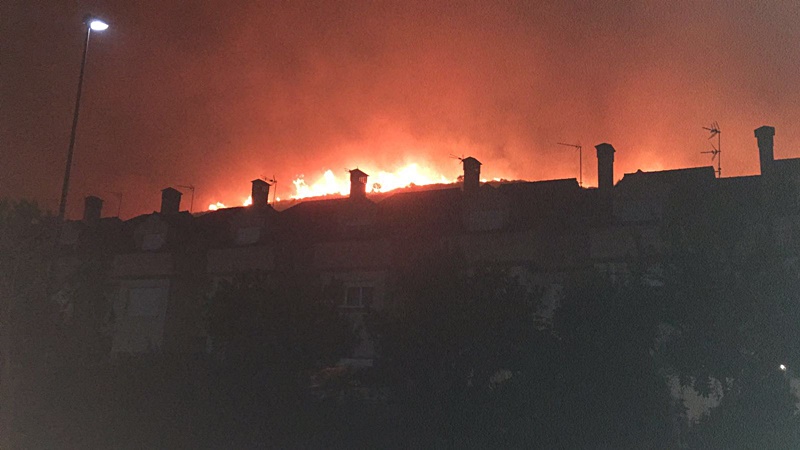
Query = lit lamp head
x=95 y=24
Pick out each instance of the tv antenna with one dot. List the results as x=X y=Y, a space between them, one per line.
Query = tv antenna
x=191 y=188
x=716 y=151
x=274 y=183
x=580 y=160
x=271 y=182
x=119 y=200
x=460 y=158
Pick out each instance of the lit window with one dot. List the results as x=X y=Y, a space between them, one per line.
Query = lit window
x=358 y=296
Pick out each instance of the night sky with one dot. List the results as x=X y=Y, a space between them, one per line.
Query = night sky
x=217 y=93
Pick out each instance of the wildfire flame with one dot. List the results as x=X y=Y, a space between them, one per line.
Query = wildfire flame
x=219 y=205
x=379 y=181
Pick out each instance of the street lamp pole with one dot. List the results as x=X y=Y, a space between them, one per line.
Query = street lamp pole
x=91 y=24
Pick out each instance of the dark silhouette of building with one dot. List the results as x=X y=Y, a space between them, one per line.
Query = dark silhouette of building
x=164 y=264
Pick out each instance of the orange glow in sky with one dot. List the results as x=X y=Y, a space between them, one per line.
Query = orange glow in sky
x=279 y=89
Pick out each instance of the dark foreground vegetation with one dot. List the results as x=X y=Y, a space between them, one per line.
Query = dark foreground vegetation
x=465 y=361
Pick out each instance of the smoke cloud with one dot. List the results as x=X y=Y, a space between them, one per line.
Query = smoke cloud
x=218 y=93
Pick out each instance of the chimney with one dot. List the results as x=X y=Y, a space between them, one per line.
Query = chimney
x=605 y=181
x=92 y=207
x=358 y=184
x=764 y=136
x=260 y=192
x=605 y=166
x=472 y=175
x=170 y=201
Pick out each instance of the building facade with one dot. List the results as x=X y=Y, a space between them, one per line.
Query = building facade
x=162 y=267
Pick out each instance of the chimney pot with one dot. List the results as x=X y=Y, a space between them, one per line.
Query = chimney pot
x=170 y=200
x=605 y=166
x=93 y=206
x=358 y=184
x=605 y=181
x=260 y=192
x=472 y=175
x=765 y=135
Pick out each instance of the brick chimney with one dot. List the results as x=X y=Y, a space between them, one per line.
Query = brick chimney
x=358 y=184
x=92 y=207
x=605 y=166
x=605 y=180
x=260 y=192
x=765 y=135
x=170 y=200
x=472 y=175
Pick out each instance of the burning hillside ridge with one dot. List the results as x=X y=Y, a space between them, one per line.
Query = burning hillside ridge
x=339 y=185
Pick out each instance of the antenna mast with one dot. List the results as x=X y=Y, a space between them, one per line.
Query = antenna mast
x=580 y=160
x=716 y=151
x=274 y=183
x=190 y=187
x=460 y=158
x=119 y=201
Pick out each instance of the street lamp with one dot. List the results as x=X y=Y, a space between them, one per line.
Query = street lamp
x=92 y=24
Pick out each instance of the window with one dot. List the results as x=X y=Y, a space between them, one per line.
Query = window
x=358 y=296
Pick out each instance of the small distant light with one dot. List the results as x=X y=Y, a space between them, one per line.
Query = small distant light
x=98 y=25
x=783 y=368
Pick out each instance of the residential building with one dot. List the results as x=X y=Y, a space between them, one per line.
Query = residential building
x=164 y=265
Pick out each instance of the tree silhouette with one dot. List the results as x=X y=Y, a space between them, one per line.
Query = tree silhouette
x=26 y=326
x=270 y=333
x=612 y=393
x=733 y=307
x=451 y=348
